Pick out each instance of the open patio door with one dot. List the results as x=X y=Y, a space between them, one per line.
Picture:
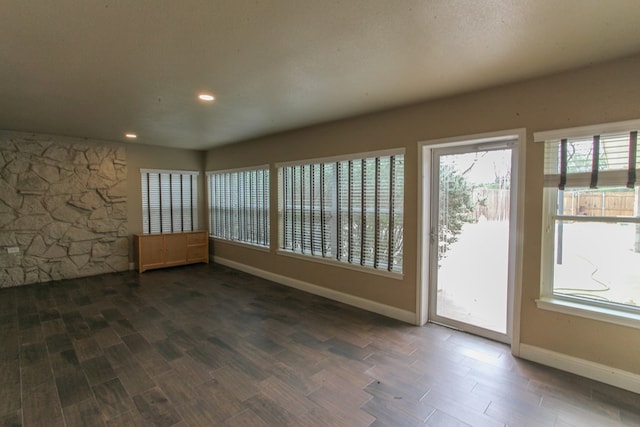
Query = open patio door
x=471 y=238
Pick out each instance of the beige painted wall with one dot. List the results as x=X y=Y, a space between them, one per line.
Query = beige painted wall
x=141 y=156
x=597 y=94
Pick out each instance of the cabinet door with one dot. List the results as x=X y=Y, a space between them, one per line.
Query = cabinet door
x=197 y=253
x=176 y=248
x=151 y=251
x=197 y=238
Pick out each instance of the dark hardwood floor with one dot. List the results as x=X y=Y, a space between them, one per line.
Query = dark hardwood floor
x=206 y=346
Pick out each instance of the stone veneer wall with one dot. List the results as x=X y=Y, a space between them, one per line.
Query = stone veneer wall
x=63 y=203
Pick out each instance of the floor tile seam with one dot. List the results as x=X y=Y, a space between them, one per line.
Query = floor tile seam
x=370 y=396
x=341 y=412
x=401 y=411
x=311 y=402
x=22 y=396
x=316 y=388
x=502 y=398
x=55 y=385
x=91 y=387
x=470 y=392
x=181 y=409
x=242 y=412
x=579 y=409
x=430 y=415
x=555 y=414
x=384 y=367
x=532 y=387
x=391 y=350
x=411 y=400
x=447 y=412
x=174 y=405
x=228 y=390
x=633 y=412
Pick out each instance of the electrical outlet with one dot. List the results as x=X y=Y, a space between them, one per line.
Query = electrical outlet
x=13 y=250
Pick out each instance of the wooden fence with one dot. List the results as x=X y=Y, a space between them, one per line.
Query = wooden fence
x=599 y=203
x=493 y=204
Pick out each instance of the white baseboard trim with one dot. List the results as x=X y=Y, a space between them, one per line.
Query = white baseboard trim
x=365 y=304
x=595 y=371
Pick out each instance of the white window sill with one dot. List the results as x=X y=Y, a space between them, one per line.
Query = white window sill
x=602 y=314
x=241 y=244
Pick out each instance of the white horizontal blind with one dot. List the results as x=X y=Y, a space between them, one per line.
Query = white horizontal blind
x=239 y=205
x=396 y=214
x=349 y=210
x=169 y=201
x=307 y=208
x=592 y=161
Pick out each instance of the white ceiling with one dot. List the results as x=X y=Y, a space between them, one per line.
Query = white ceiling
x=98 y=69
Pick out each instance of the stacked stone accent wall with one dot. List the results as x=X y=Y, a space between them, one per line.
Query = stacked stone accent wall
x=63 y=204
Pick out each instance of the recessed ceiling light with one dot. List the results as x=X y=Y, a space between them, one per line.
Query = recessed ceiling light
x=206 y=97
x=130 y=135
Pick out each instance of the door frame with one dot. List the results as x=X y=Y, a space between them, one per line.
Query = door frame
x=423 y=273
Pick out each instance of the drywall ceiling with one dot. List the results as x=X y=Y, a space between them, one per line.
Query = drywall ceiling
x=102 y=68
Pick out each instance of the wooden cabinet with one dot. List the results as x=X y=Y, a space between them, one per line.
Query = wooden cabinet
x=170 y=249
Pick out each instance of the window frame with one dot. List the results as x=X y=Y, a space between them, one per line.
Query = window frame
x=332 y=260
x=264 y=218
x=610 y=312
x=146 y=196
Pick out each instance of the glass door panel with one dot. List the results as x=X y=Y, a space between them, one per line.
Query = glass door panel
x=470 y=239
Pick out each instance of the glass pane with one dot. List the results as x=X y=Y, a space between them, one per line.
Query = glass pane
x=613 y=154
x=397 y=234
x=154 y=203
x=165 y=203
x=345 y=210
x=176 y=203
x=598 y=261
x=239 y=206
x=369 y=213
x=473 y=238
x=612 y=201
x=145 y=202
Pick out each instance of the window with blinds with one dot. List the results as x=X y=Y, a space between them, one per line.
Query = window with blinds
x=591 y=161
x=591 y=242
x=349 y=210
x=169 y=201
x=239 y=205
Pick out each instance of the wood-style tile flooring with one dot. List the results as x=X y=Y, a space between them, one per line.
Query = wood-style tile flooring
x=207 y=346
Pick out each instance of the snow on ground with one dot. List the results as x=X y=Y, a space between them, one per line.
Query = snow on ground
x=472 y=278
